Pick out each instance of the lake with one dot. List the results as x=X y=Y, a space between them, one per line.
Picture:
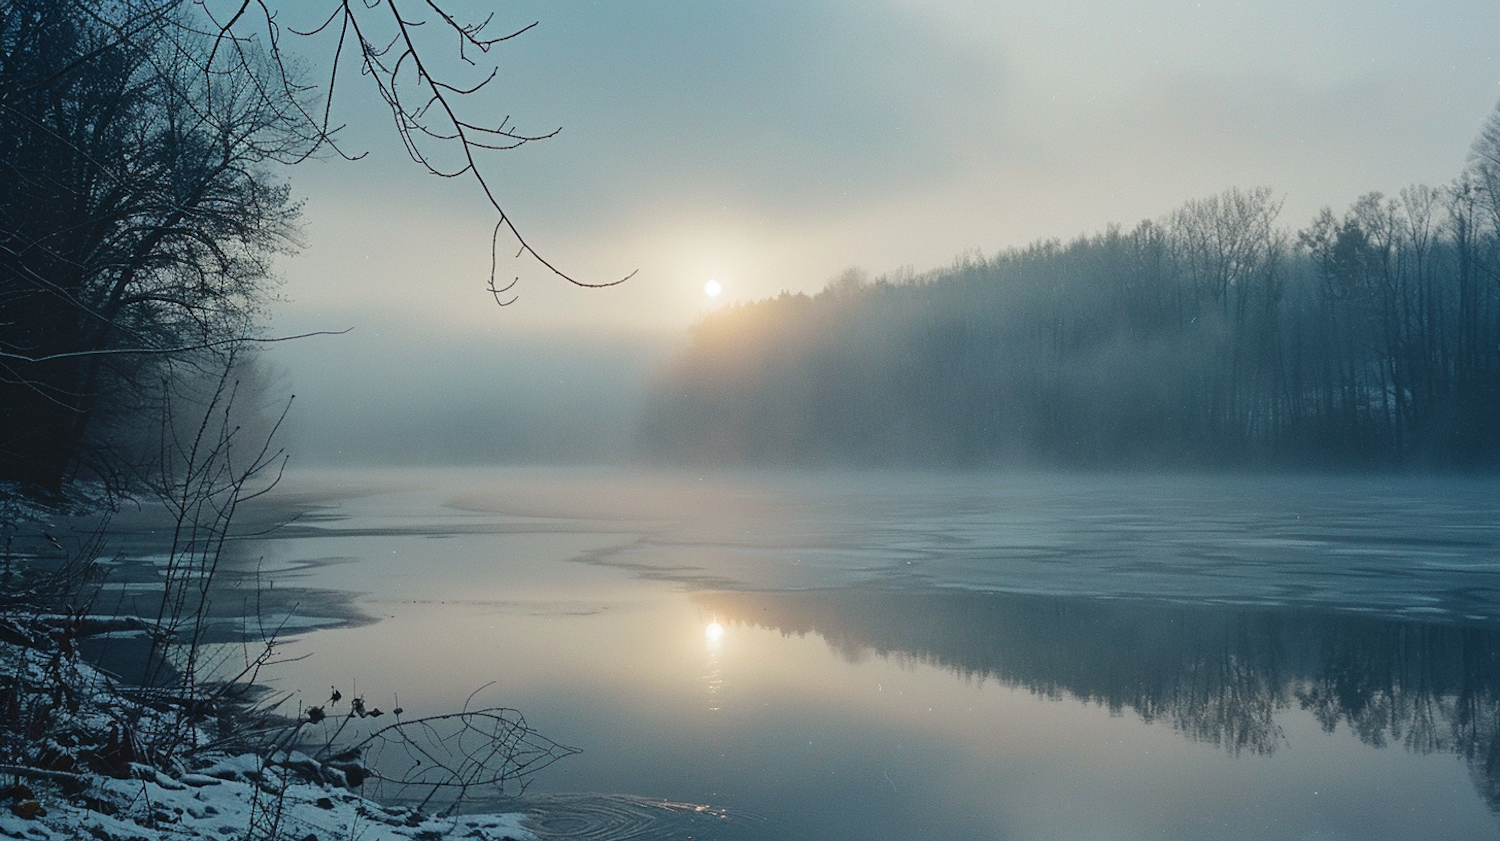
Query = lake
x=888 y=655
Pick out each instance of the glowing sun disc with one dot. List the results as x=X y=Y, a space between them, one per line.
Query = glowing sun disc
x=714 y=632
x=712 y=289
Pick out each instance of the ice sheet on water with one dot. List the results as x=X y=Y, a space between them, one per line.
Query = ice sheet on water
x=1385 y=544
x=1388 y=544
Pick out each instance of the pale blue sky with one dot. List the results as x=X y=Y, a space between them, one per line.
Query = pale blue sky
x=769 y=145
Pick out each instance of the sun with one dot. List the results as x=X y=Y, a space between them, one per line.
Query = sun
x=712 y=288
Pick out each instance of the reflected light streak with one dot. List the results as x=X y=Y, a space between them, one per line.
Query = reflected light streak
x=715 y=677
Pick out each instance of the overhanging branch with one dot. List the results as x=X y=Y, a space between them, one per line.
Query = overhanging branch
x=239 y=340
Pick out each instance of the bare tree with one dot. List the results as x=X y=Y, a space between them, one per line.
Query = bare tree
x=1484 y=162
x=1225 y=242
x=136 y=220
x=137 y=216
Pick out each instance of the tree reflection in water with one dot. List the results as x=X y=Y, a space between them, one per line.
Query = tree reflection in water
x=1217 y=674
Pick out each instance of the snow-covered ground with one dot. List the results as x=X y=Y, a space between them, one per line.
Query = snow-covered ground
x=223 y=801
x=57 y=712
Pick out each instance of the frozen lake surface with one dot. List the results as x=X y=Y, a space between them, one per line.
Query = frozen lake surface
x=891 y=655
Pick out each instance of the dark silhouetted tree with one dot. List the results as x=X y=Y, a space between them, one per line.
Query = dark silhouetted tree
x=138 y=218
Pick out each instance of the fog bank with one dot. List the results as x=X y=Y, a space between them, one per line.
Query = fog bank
x=389 y=394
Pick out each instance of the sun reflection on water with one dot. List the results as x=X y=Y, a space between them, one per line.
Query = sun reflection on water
x=715 y=676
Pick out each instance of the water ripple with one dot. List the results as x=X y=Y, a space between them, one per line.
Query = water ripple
x=595 y=817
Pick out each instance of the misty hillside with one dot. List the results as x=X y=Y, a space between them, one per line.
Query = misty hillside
x=1214 y=336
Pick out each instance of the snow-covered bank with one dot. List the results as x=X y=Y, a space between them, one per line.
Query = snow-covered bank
x=71 y=770
x=222 y=801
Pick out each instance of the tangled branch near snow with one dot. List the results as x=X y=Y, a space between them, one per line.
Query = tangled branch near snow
x=453 y=754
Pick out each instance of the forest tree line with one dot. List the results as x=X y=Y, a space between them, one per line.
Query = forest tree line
x=1212 y=336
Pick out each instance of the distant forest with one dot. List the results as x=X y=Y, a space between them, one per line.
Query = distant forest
x=1212 y=336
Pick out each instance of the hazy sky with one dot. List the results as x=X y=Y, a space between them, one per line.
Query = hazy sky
x=769 y=145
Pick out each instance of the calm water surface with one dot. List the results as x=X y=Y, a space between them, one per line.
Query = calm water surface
x=922 y=655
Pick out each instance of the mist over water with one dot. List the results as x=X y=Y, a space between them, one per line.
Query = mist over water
x=394 y=394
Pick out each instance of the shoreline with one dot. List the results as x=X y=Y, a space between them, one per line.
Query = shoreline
x=211 y=795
